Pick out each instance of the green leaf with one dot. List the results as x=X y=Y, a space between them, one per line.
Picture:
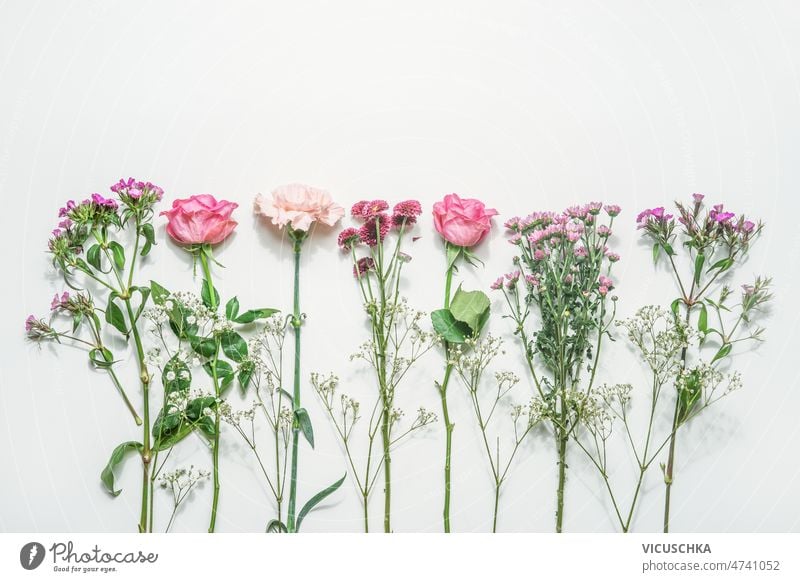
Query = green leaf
x=314 y=501
x=698 y=267
x=453 y=252
x=77 y=319
x=180 y=373
x=195 y=408
x=164 y=443
x=452 y=330
x=206 y=426
x=93 y=256
x=206 y=347
x=723 y=352
x=114 y=315
x=159 y=293
x=656 y=251
x=102 y=358
x=676 y=307
x=668 y=249
x=301 y=415
x=205 y=295
x=165 y=424
x=723 y=265
x=276 y=526
x=119 y=254
x=234 y=346
x=224 y=370
x=253 y=314
x=472 y=308
x=702 y=321
x=107 y=475
x=245 y=375
x=149 y=238
x=232 y=308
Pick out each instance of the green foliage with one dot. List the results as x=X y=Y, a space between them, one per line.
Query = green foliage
x=304 y=421
x=314 y=501
x=117 y=456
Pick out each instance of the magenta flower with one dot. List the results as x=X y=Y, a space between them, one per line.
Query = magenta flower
x=30 y=323
x=463 y=222
x=366 y=209
x=409 y=209
x=363 y=266
x=375 y=229
x=348 y=238
x=103 y=202
x=200 y=219
x=698 y=198
x=70 y=205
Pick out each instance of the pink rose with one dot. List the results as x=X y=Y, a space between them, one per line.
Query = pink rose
x=200 y=219
x=299 y=205
x=463 y=222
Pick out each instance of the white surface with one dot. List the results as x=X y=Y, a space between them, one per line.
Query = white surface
x=527 y=105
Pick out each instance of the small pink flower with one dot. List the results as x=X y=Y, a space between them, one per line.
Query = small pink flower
x=68 y=207
x=103 y=202
x=200 y=219
x=531 y=280
x=30 y=323
x=698 y=198
x=605 y=282
x=604 y=231
x=498 y=284
x=463 y=222
x=568 y=279
x=348 y=238
x=612 y=210
x=613 y=257
x=300 y=206
x=594 y=208
x=602 y=290
x=512 y=223
x=747 y=226
x=59 y=302
x=539 y=255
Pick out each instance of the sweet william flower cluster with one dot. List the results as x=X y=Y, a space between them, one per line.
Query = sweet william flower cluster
x=558 y=301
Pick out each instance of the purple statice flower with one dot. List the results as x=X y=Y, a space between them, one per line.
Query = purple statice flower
x=612 y=210
x=348 y=238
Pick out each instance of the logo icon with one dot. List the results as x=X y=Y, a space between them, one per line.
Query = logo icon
x=31 y=555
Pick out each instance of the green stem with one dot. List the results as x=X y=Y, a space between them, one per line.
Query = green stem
x=296 y=322
x=448 y=426
x=562 y=479
x=215 y=446
x=122 y=393
x=669 y=469
x=496 y=506
x=144 y=376
x=387 y=471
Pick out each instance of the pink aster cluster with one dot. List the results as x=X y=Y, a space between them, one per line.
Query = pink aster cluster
x=377 y=222
x=565 y=251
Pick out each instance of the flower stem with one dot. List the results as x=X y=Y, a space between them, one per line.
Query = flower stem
x=562 y=479
x=296 y=322
x=448 y=426
x=496 y=506
x=215 y=445
x=144 y=377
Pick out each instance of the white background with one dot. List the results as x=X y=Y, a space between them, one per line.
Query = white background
x=527 y=105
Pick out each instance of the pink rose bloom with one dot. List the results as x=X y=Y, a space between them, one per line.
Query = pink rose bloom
x=463 y=222
x=299 y=205
x=200 y=219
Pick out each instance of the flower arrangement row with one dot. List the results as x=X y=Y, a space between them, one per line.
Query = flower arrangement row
x=558 y=297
